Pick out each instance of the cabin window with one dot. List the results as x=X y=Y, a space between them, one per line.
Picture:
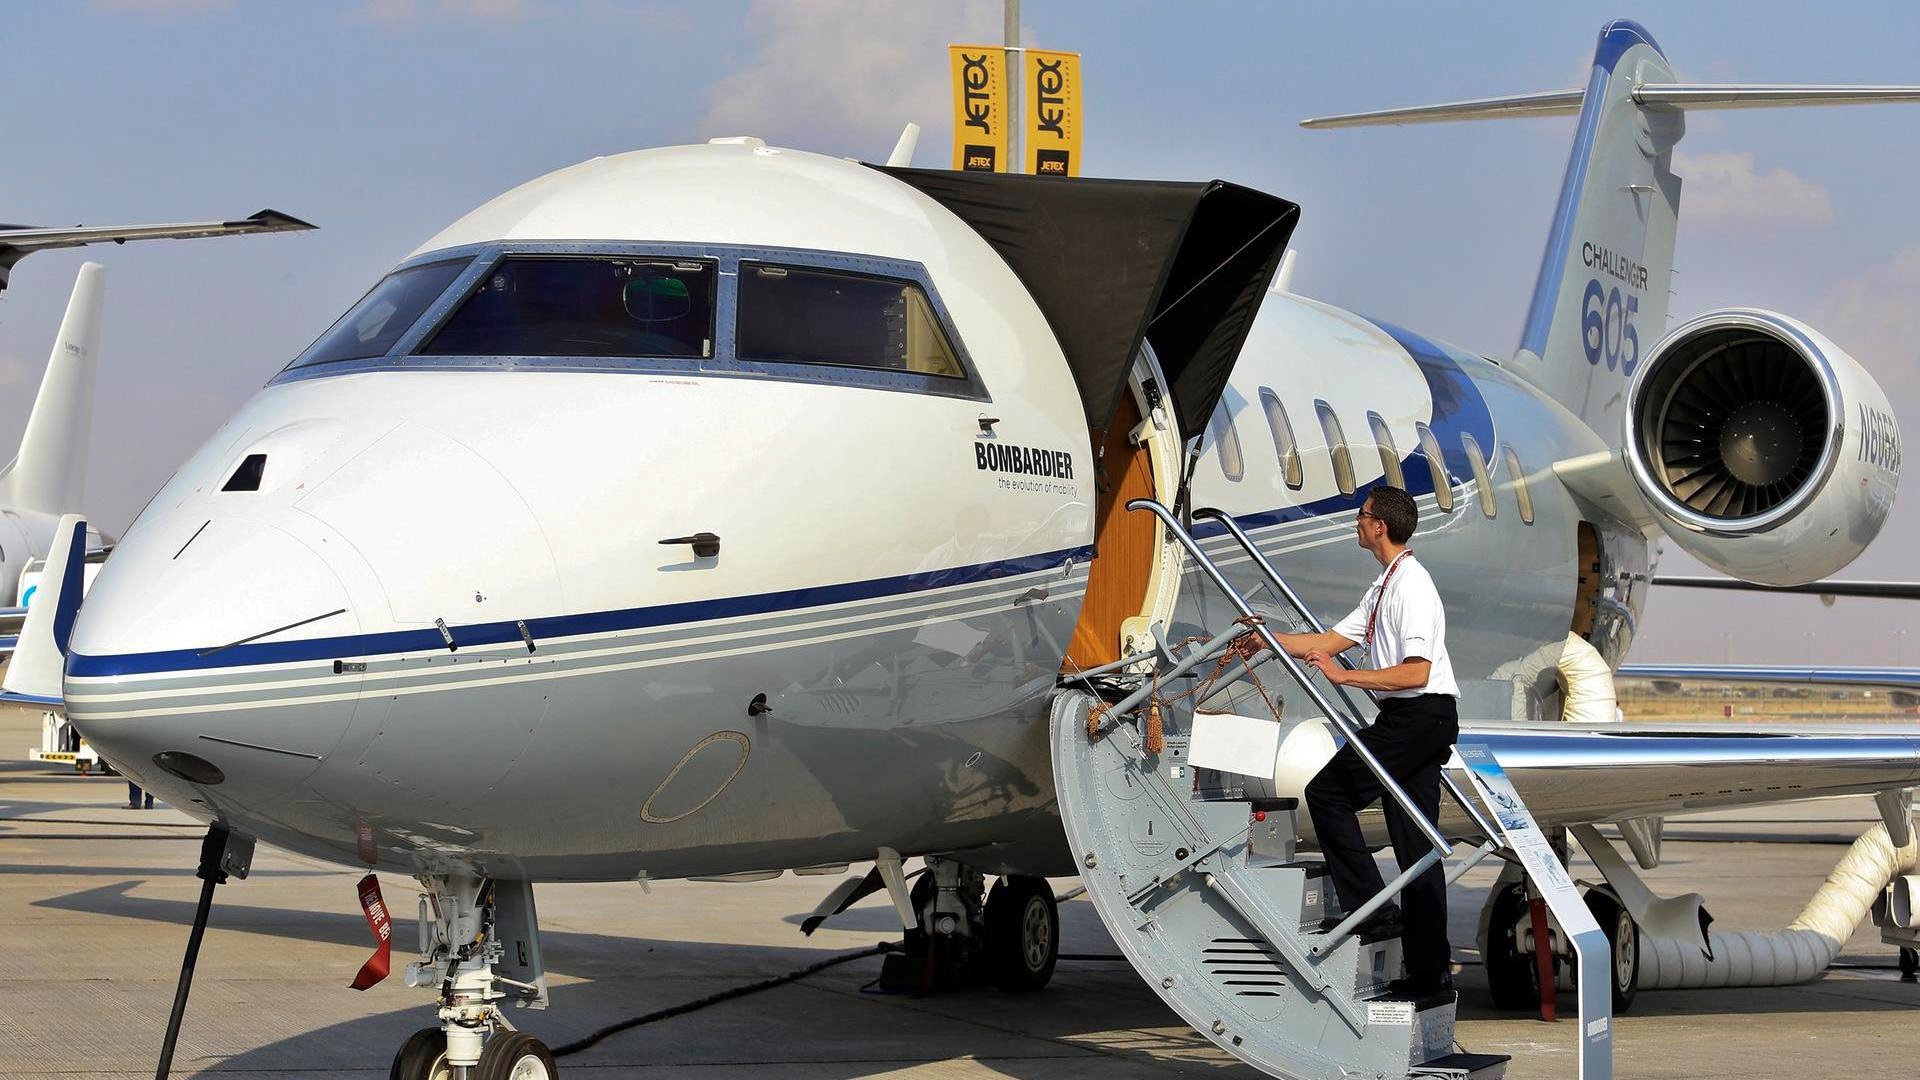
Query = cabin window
x=1437 y=466
x=1226 y=443
x=1481 y=479
x=1519 y=475
x=1389 y=454
x=1336 y=447
x=556 y=305
x=370 y=327
x=1284 y=447
x=800 y=315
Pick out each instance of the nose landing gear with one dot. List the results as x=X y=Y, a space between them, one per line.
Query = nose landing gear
x=479 y=943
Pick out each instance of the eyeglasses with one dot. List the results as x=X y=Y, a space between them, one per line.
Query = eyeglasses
x=1364 y=514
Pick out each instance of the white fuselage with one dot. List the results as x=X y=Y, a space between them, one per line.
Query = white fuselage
x=454 y=620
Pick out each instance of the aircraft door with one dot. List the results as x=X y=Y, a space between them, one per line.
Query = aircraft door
x=1135 y=578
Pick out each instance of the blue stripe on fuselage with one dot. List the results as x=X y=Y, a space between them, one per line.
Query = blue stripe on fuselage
x=1458 y=408
x=559 y=626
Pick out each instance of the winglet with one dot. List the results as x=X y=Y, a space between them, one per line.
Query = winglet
x=34 y=673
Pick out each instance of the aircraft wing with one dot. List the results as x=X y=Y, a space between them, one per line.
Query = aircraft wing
x=1871 y=590
x=1573 y=774
x=19 y=241
x=1862 y=678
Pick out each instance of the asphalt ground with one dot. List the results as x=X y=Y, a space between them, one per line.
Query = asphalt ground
x=95 y=902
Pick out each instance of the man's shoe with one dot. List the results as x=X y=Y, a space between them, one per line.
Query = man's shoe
x=1417 y=987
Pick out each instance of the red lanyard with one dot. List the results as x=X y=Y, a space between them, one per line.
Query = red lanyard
x=1374 y=614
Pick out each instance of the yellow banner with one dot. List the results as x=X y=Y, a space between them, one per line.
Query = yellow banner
x=979 y=107
x=1051 y=96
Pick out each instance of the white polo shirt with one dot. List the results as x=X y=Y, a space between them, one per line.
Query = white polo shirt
x=1411 y=622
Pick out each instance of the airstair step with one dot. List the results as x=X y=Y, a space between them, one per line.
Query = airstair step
x=1465 y=1067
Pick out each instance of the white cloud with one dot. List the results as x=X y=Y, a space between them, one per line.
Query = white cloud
x=843 y=76
x=15 y=372
x=403 y=11
x=1725 y=189
x=1873 y=316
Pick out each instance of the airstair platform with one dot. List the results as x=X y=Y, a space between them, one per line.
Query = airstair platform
x=1197 y=878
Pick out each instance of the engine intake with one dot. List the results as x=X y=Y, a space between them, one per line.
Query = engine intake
x=1769 y=453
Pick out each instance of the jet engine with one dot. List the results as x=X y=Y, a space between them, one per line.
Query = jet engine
x=1767 y=452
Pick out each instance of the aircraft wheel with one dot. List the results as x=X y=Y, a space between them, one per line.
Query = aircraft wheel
x=515 y=1055
x=1623 y=947
x=1909 y=964
x=1023 y=933
x=1512 y=976
x=422 y=1057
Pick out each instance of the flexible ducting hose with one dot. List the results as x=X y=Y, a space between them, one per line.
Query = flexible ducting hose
x=1801 y=951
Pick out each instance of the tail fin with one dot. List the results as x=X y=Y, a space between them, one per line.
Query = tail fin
x=49 y=472
x=34 y=673
x=1600 y=301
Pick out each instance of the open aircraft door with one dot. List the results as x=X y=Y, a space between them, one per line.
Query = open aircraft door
x=1150 y=288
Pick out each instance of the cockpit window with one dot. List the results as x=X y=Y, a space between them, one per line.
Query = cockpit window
x=584 y=306
x=801 y=315
x=371 y=327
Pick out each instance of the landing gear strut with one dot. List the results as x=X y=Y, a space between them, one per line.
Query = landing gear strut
x=479 y=944
x=1507 y=948
x=966 y=936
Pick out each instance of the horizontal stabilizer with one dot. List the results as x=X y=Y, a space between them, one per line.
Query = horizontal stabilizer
x=19 y=241
x=27 y=238
x=1545 y=103
x=1766 y=95
x=1650 y=95
x=39 y=662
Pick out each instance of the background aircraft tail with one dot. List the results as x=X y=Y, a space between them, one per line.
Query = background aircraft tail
x=49 y=472
x=1600 y=301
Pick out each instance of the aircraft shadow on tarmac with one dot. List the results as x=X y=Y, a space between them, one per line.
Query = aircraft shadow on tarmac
x=827 y=1021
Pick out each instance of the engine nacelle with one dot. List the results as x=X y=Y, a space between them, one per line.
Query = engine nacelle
x=1767 y=451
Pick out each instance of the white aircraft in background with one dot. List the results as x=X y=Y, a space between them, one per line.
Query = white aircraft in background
x=47 y=476
x=725 y=509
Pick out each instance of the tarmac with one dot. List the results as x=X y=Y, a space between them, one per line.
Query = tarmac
x=95 y=902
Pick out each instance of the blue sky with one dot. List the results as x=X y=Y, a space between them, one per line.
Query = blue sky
x=382 y=121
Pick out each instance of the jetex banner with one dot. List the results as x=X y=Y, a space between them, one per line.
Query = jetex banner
x=979 y=107
x=1051 y=96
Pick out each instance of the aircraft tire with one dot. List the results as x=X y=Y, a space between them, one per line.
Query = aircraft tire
x=422 y=1057
x=1623 y=947
x=1023 y=933
x=1511 y=976
x=516 y=1055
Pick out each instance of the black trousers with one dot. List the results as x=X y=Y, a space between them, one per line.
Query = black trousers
x=1411 y=738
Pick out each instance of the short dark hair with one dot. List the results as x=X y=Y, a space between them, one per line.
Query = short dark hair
x=1395 y=509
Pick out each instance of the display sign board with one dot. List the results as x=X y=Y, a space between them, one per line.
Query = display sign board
x=1050 y=97
x=979 y=107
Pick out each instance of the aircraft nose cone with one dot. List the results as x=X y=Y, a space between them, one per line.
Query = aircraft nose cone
x=196 y=646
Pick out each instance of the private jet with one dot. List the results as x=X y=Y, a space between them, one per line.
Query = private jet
x=727 y=509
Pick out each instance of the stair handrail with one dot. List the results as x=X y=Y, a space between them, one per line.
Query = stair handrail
x=1338 y=716
x=1280 y=585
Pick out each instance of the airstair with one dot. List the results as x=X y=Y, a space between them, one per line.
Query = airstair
x=1194 y=870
